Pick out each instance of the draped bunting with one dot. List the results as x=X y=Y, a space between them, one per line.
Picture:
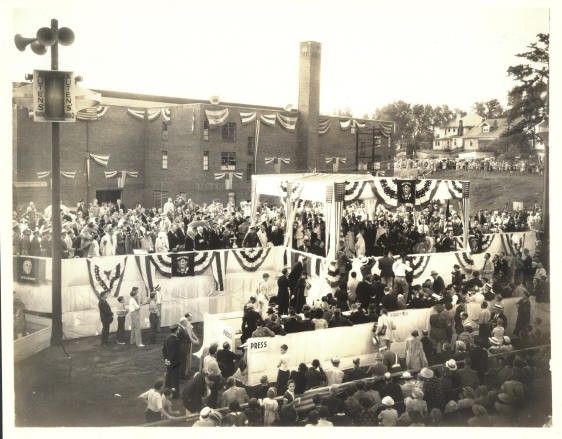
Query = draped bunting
x=201 y=261
x=71 y=175
x=107 y=276
x=345 y=124
x=386 y=128
x=100 y=159
x=121 y=176
x=247 y=118
x=92 y=113
x=217 y=117
x=353 y=190
x=268 y=119
x=166 y=115
x=251 y=259
x=152 y=115
x=287 y=122
x=146 y=270
x=324 y=126
x=227 y=176
x=270 y=160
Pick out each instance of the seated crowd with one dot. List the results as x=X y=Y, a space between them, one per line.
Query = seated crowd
x=522 y=166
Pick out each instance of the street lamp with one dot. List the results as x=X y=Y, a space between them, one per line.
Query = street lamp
x=51 y=37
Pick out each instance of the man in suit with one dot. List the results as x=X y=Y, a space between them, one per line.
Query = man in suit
x=283 y=293
x=295 y=274
x=172 y=359
x=385 y=265
x=106 y=317
x=233 y=393
x=438 y=286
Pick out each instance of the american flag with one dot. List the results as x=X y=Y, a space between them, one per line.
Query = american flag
x=465 y=189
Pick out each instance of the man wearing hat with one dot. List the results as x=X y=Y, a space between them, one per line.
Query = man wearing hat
x=497 y=315
x=334 y=375
x=134 y=312
x=172 y=360
x=356 y=373
x=438 y=285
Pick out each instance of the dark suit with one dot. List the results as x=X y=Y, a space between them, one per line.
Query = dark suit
x=283 y=295
x=106 y=317
x=438 y=285
x=295 y=275
x=172 y=353
x=184 y=344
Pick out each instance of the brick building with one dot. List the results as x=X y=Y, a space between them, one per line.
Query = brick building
x=182 y=145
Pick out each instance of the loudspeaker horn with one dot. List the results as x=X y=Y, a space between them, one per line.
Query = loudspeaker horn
x=66 y=36
x=46 y=36
x=21 y=42
x=38 y=48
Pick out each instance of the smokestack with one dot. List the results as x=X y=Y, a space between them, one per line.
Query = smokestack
x=308 y=105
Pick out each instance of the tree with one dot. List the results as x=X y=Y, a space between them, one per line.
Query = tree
x=529 y=98
x=491 y=109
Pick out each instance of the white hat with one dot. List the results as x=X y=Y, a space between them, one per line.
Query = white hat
x=388 y=401
x=451 y=364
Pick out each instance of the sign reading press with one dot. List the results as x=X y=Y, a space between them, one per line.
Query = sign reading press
x=259 y=345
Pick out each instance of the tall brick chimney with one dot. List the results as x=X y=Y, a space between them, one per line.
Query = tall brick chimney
x=308 y=106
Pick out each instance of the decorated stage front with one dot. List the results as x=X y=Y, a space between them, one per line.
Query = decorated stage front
x=217 y=281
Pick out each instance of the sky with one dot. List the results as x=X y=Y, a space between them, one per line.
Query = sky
x=373 y=52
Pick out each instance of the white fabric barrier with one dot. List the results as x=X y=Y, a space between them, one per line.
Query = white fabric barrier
x=196 y=294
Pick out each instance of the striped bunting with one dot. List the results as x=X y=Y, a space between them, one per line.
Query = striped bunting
x=43 y=174
x=425 y=191
x=152 y=115
x=163 y=263
x=287 y=122
x=71 y=175
x=324 y=126
x=92 y=113
x=419 y=264
x=386 y=128
x=354 y=190
x=166 y=114
x=512 y=242
x=100 y=159
x=345 y=124
x=146 y=270
x=333 y=275
x=455 y=189
x=217 y=117
x=247 y=118
x=268 y=119
x=464 y=260
x=102 y=279
x=251 y=259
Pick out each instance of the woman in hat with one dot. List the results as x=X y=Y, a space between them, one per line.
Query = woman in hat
x=415 y=356
x=432 y=389
x=388 y=416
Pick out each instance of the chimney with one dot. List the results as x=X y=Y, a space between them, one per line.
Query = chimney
x=308 y=105
x=460 y=127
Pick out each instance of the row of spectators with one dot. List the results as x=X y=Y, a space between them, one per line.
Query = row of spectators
x=111 y=229
x=472 y=387
x=522 y=166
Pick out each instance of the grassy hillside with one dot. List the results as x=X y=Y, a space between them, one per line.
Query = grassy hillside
x=495 y=190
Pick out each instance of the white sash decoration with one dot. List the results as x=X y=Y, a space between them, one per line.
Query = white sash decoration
x=71 y=175
x=139 y=114
x=324 y=126
x=105 y=275
x=268 y=119
x=345 y=124
x=217 y=117
x=247 y=118
x=100 y=159
x=92 y=113
x=251 y=259
x=166 y=114
x=287 y=122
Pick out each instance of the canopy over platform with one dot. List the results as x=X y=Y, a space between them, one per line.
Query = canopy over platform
x=359 y=187
x=335 y=190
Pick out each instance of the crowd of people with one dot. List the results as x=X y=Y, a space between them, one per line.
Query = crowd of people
x=482 y=393
x=522 y=166
x=110 y=229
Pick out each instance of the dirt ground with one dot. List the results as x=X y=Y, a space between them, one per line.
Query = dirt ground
x=96 y=386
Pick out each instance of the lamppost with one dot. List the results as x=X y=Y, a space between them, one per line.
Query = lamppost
x=51 y=37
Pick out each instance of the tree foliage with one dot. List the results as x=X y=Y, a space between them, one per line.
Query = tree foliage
x=491 y=109
x=529 y=98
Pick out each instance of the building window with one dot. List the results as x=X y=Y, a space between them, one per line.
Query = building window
x=228 y=132
x=249 y=171
x=164 y=159
x=228 y=161
x=471 y=143
x=486 y=128
x=377 y=141
x=205 y=160
x=251 y=145
x=206 y=130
